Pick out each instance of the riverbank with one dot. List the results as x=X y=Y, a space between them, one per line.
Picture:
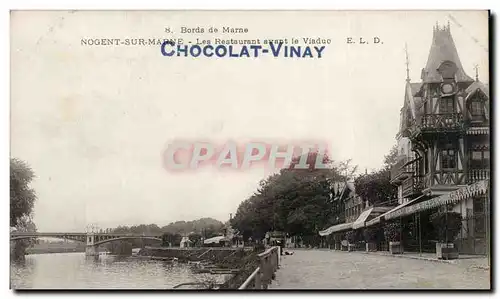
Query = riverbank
x=238 y=262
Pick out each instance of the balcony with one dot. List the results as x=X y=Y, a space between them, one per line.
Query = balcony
x=476 y=175
x=442 y=122
x=412 y=187
x=403 y=169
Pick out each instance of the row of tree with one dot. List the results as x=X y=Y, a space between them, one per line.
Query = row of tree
x=172 y=233
x=301 y=202
x=203 y=226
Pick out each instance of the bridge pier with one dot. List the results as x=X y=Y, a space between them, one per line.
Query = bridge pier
x=91 y=248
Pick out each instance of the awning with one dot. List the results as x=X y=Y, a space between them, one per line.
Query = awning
x=377 y=219
x=335 y=228
x=469 y=191
x=360 y=222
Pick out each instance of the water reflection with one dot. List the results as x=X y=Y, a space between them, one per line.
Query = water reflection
x=75 y=271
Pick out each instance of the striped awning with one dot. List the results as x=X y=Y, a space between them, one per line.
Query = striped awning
x=336 y=228
x=478 y=131
x=360 y=222
x=378 y=218
x=469 y=191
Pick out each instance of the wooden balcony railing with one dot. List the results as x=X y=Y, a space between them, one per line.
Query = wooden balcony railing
x=475 y=175
x=404 y=168
x=263 y=275
x=442 y=121
x=412 y=186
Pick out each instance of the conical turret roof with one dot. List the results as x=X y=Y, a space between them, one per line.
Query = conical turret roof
x=443 y=49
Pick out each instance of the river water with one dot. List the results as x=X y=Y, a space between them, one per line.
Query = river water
x=75 y=271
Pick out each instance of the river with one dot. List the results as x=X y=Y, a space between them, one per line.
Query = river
x=75 y=271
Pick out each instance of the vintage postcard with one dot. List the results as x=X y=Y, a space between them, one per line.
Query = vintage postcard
x=250 y=150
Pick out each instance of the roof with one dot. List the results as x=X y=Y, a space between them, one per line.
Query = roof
x=343 y=189
x=477 y=85
x=412 y=101
x=214 y=240
x=415 y=87
x=443 y=49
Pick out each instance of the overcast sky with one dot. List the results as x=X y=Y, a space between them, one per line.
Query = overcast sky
x=93 y=121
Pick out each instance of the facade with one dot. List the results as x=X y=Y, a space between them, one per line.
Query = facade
x=443 y=141
x=354 y=206
x=344 y=206
x=354 y=213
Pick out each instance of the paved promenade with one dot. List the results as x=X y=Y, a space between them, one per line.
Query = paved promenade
x=324 y=269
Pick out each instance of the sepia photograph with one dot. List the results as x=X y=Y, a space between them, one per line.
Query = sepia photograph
x=250 y=150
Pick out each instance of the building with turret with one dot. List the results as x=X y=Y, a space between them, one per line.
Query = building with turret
x=443 y=141
x=443 y=162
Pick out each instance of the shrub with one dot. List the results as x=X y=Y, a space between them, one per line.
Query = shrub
x=392 y=231
x=370 y=234
x=351 y=236
x=447 y=225
x=258 y=248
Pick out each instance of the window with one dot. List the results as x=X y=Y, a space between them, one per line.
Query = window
x=478 y=205
x=476 y=109
x=447 y=105
x=480 y=158
x=448 y=157
x=479 y=224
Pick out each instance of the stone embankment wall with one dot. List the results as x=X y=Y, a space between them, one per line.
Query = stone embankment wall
x=213 y=255
x=243 y=259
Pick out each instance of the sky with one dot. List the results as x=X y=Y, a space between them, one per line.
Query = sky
x=93 y=121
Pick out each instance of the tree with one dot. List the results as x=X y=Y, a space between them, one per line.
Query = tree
x=392 y=231
x=391 y=158
x=296 y=201
x=22 y=199
x=22 y=196
x=376 y=187
x=196 y=239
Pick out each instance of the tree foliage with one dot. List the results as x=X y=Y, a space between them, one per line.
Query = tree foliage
x=376 y=187
x=22 y=196
x=208 y=227
x=447 y=225
x=391 y=158
x=173 y=232
x=392 y=231
x=298 y=202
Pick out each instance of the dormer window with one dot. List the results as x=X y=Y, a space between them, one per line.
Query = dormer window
x=448 y=69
